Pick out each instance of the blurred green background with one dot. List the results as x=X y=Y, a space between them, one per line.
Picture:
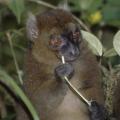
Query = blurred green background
x=102 y=17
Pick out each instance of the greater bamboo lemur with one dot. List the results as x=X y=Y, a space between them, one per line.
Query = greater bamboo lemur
x=54 y=34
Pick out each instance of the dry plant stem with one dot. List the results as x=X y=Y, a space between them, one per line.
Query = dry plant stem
x=81 y=23
x=109 y=94
x=77 y=92
x=110 y=89
x=73 y=88
x=14 y=57
x=54 y=7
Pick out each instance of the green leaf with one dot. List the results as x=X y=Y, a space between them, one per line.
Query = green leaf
x=17 y=7
x=85 y=4
x=110 y=53
x=5 y=78
x=75 y=5
x=94 y=6
x=116 y=42
x=114 y=2
x=93 y=41
x=111 y=15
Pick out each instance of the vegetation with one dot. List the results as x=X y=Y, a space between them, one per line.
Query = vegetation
x=99 y=20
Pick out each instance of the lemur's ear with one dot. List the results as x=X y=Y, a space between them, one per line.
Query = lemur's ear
x=31 y=26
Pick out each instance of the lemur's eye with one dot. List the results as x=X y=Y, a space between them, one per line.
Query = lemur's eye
x=55 y=42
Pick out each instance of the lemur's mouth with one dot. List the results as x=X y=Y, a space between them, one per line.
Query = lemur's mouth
x=70 y=53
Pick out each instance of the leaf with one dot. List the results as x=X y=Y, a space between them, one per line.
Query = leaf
x=116 y=42
x=74 y=5
x=93 y=41
x=5 y=78
x=110 y=53
x=111 y=15
x=94 y=6
x=17 y=7
x=114 y=2
x=85 y=4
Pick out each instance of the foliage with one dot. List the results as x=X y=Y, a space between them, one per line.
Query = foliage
x=17 y=7
x=5 y=78
x=109 y=9
x=101 y=17
x=94 y=42
x=116 y=42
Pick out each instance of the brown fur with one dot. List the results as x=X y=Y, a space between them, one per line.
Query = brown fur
x=53 y=99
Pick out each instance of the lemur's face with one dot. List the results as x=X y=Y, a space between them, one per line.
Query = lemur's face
x=66 y=43
x=61 y=36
